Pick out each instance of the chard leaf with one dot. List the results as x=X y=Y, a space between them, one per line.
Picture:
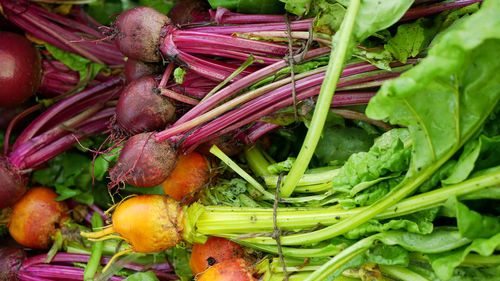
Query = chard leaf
x=387 y=155
x=465 y=163
x=410 y=39
x=472 y=224
x=445 y=262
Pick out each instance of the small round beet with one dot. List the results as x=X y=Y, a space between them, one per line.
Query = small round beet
x=139 y=31
x=135 y=69
x=20 y=69
x=229 y=270
x=11 y=259
x=144 y=162
x=215 y=250
x=36 y=217
x=13 y=184
x=141 y=109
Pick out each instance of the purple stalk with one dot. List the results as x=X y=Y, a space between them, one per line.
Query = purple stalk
x=112 y=86
x=55 y=148
x=424 y=11
x=229 y=91
x=56 y=272
x=35 y=143
x=36 y=267
x=224 y=16
x=258 y=130
x=65 y=33
x=267 y=103
x=299 y=25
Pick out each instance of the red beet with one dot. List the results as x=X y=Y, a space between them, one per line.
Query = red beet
x=144 y=162
x=139 y=31
x=135 y=69
x=141 y=108
x=13 y=186
x=20 y=71
x=11 y=258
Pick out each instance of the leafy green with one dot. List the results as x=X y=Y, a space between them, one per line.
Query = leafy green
x=410 y=39
x=340 y=143
x=86 y=69
x=445 y=262
x=181 y=263
x=387 y=155
x=142 y=276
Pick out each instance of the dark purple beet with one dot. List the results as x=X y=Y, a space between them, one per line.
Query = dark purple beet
x=20 y=71
x=188 y=11
x=139 y=31
x=141 y=108
x=13 y=184
x=135 y=69
x=144 y=162
x=11 y=258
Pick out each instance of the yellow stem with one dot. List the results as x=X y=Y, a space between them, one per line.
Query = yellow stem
x=117 y=255
x=98 y=234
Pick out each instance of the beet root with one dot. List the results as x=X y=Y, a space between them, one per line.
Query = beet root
x=21 y=71
x=11 y=258
x=36 y=217
x=144 y=162
x=13 y=186
x=135 y=69
x=139 y=31
x=141 y=109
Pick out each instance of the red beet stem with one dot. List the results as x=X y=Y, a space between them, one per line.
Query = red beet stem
x=424 y=11
x=224 y=16
x=112 y=87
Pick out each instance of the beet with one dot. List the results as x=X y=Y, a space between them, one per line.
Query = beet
x=144 y=162
x=139 y=31
x=36 y=217
x=21 y=71
x=135 y=69
x=141 y=108
x=13 y=186
x=188 y=11
x=11 y=258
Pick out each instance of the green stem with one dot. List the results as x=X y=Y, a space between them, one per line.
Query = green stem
x=237 y=220
x=337 y=262
x=401 y=273
x=257 y=161
x=96 y=253
x=322 y=250
x=335 y=66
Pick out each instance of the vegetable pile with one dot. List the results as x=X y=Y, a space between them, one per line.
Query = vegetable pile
x=306 y=140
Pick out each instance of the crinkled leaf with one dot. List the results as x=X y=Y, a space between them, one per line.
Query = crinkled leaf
x=387 y=155
x=472 y=224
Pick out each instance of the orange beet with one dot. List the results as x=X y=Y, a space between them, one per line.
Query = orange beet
x=36 y=217
x=231 y=270
x=215 y=250
x=149 y=223
x=190 y=173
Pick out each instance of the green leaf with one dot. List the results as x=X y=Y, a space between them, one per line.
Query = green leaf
x=181 y=263
x=142 y=276
x=340 y=143
x=475 y=225
x=410 y=40
x=87 y=69
x=162 y=6
x=445 y=262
